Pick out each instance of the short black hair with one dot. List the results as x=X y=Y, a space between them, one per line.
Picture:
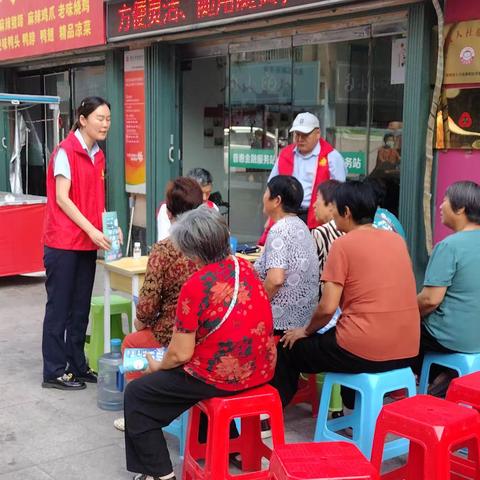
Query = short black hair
x=379 y=189
x=290 y=191
x=388 y=135
x=465 y=194
x=359 y=198
x=328 y=189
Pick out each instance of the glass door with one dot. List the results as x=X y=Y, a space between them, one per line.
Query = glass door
x=260 y=115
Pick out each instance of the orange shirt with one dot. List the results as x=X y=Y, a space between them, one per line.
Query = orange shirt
x=380 y=318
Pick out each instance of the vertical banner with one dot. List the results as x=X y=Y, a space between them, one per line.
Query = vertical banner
x=134 y=105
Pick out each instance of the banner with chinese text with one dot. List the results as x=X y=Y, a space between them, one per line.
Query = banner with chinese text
x=36 y=27
x=134 y=108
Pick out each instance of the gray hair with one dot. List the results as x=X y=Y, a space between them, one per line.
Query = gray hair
x=466 y=195
x=201 y=233
x=202 y=176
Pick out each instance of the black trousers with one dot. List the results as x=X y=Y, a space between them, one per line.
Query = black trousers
x=69 y=284
x=153 y=402
x=428 y=343
x=321 y=353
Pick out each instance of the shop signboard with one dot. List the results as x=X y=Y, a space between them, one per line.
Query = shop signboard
x=134 y=18
x=37 y=27
x=254 y=158
x=271 y=82
x=134 y=113
x=355 y=162
x=462 y=53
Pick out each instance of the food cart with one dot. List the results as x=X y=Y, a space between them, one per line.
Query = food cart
x=22 y=215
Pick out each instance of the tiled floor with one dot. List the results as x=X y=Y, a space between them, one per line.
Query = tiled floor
x=50 y=434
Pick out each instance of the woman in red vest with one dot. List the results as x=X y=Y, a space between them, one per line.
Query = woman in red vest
x=72 y=236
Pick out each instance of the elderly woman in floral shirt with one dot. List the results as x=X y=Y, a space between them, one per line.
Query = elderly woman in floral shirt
x=222 y=343
x=167 y=271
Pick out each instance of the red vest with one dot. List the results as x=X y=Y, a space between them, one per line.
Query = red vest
x=285 y=167
x=87 y=192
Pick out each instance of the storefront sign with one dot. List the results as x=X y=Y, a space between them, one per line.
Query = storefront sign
x=137 y=17
x=36 y=27
x=462 y=53
x=355 y=163
x=271 y=82
x=134 y=105
x=259 y=159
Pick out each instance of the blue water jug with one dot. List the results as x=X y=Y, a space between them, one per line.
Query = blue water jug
x=110 y=380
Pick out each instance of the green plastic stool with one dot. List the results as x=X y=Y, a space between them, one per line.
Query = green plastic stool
x=94 y=341
x=336 y=403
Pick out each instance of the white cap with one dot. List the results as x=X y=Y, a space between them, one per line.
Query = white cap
x=305 y=123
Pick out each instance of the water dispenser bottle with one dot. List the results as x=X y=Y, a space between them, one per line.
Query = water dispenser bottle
x=110 y=380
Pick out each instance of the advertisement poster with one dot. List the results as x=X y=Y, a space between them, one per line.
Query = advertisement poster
x=462 y=53
x=399 y=61
x=36 y=27
x=134 y=105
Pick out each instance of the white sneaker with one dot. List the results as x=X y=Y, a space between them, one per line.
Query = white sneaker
x=119 y=424
x=266 y=431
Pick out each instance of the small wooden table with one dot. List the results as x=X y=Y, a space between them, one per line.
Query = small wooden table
x=125 y=275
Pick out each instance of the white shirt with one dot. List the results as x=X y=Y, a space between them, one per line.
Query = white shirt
x=305 y=170
x=61 y=165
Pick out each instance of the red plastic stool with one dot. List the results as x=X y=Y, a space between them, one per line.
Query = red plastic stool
x=435 y=428
x=307 y=393
x=220 y=412
x=465 y=390
x=320 y=461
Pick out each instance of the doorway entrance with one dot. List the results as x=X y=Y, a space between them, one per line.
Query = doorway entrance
x=237 y=111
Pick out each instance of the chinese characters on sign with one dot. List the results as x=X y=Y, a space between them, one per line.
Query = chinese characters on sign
x=355 y=163
x=34 y=27
x=258 y=159
x=134 y=108
x=462 y=53
x=131 y=17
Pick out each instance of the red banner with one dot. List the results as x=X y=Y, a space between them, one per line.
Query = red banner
x=134 y=107
x=35 y=27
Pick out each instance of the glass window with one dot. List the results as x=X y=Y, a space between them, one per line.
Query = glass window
x=260 y=116
x=385 y=142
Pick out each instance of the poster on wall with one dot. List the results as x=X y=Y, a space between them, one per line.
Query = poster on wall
x=399 y=61
x=37 y=27
x=462 y=53
x=134 y=106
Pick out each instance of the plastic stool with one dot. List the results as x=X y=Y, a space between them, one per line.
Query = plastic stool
x=178 y=428
x=463 y=363
x=307 y=393
x=465 y=390
x=94 y=343
x=435 y=427
x=320 y=461
x=220 y=412
x=370 y=390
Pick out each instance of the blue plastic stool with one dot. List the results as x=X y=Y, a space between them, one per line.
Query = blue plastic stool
x=178 y=428
x=370 y=389
x=463 y=363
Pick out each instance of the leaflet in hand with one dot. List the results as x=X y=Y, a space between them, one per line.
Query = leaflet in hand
x=110 y=230
x=135 y=359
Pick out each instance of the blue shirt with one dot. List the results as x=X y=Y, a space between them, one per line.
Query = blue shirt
x=455 y=264
x=305 y=170
x=386 y=220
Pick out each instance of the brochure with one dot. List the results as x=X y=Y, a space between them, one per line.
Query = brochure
x=110 y=230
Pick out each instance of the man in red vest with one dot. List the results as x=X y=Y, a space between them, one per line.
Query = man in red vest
x=311 y=160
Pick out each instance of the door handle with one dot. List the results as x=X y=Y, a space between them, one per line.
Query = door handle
x=170 y=150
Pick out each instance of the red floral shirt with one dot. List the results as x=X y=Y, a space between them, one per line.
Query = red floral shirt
x=241 y=353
